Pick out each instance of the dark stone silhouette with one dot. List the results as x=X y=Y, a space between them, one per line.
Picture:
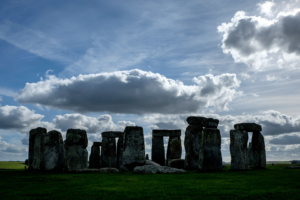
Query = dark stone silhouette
x=95 y=159
x=108 y=152
x=36 y=160
x=158 y=150
x=238 y=149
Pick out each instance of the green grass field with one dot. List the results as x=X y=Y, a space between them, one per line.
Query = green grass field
x=273 y=183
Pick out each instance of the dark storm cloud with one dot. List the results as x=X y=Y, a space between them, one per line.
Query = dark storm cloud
x=133 y=91
x=286 y=140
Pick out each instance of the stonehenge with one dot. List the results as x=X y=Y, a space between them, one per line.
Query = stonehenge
x=76 y=154
x=238 y=149
x=133 y=147
x=174 y=149
x=95 y=160
x=193 y=137
x=256 y=152
x=210 y=157
x=202 y=142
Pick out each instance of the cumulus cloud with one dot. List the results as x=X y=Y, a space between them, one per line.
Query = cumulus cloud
x=276 y=78
x=263 y=43
x=20 y=118
x=132 y=91
x=266 y=8
x=10 y=148
x=90 y=124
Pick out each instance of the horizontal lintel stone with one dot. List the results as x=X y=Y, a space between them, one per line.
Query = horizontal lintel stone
x=166 y=133
x=250 y=127
x=112 y=134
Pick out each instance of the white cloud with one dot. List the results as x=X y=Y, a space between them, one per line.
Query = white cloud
x=262 y=43
x=275 y=78
x=7 y=92
x=7 y=148
x=133 y=91
x=245 y=76
x=286 y=139
x=266 y=8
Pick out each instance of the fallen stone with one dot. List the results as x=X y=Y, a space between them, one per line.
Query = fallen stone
x=192 y=142
x=174 y=150
x=76 y=137
x=238 y=149
x=134 y=147
x=250 y=127
x=54 y=151
x=108 y=152
x=259 y=151
x=32 y=134
x=147 y=157
x=109 y=170
x=149 y=162
x=76 y=157
x=112 y=134
x=95 y=159
x=210 y=158
x=158 y=150
x=151 y=169
x=176 y=163
x=166 y=133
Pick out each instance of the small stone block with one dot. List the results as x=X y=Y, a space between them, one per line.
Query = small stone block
x=166 y=133
x=250 y=127
x=112 y=134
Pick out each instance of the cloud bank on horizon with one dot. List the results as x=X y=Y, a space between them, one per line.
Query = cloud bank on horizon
x=151 y=65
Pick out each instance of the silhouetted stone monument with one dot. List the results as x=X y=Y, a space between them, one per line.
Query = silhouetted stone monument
x=36 y=158
x=210 y=157
x=109 y=152
x=95 y=159
x=238 y=149
x=76 y=154
x=134 y=147
x=250 y=155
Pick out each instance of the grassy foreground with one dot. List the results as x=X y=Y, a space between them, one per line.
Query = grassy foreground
x=273 y=183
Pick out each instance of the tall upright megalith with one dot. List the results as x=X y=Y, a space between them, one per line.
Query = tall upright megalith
x=193 y=137
x=109 y=155
x=238 y=149
x=75 y=149
x=134 y=147
x=95 y=159
x=120 y=150
x=210 y=157
x=257 y=144
x=250 y=155
x=174 y=150
x=36 y=158
x=158 y=150
x=54 y=151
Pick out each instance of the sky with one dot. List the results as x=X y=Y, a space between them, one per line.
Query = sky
x=105 y=65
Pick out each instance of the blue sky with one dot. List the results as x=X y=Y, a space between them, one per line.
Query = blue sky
x=105 y=65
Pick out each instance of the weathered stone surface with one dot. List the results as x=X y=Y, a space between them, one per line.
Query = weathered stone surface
x=109 y=170
x=149 y=162
x=174 y=150
x=250 y=127
x=76 y=157
x=197 y=121
x=259 y=151
x=147 y=157
x=38 y=161
x=95 y=159
x=192 y=141
x=238 y=149
x=166 y=133
x=76 y=137
x=54 y=151
x=134 y=147
x=158 y=150
x=99 y=144
x=151 y=169
x=32 y=134
x=112 y=134
x=250 y=155
x=210 y=158
x=120 y=149
x=108 y=152
x=176 y=163
x=212 y=123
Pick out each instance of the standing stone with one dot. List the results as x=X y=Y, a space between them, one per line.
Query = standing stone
x=120 y=149
x=134 y=147
x=210 y=158
x=76 y=154
x=192 y=141
x=259 y=151
x=174 y=150
x=39 y=158
x=109 y=152
x=250 y=155
x=158 y=150
x=32 y=135
x=238 y=149
x=95 y=159
x=54 y=151
x=147 y=157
